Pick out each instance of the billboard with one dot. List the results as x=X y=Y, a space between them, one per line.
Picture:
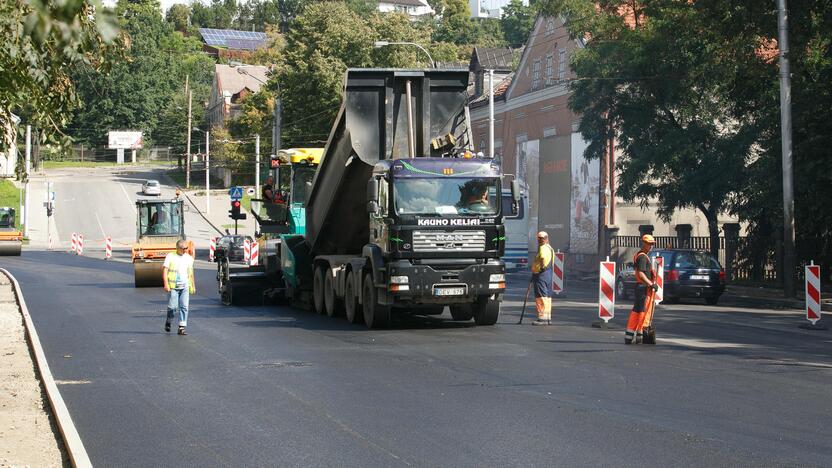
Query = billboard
x=527 y=165
x=124 y=139
x=556 y=190
x=583 y=230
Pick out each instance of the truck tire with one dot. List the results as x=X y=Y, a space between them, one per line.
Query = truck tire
x=461 y=313
x=352 y=308
x=375 y=314
x=486 y=311
x=332 y=304
x=318 y=290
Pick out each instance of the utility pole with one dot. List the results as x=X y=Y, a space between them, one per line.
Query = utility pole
x=207 y=166
x=278 y=113
x=257 y=165
x=188 y=148
x=491 y=114
x=26 y=188
x=786 y=146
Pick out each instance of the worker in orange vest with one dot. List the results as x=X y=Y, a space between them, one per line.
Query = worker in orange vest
x=646 y=288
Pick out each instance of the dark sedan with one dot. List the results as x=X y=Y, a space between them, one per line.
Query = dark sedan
x=232 y=247
x=687 y=273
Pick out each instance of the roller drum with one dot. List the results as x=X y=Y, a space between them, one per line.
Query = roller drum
x=10 y=248
x=148 y=274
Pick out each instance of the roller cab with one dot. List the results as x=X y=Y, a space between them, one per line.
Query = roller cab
x=11 y=239
x=159 y=225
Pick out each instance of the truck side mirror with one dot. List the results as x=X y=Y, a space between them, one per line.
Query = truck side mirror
x=372 y=196
x=515 y=190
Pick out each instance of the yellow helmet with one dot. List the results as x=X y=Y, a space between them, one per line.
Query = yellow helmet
x=648 y=239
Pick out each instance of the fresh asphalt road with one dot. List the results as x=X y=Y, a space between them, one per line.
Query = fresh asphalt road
x=279 y=386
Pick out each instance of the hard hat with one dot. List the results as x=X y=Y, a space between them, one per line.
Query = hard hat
x=648 y=239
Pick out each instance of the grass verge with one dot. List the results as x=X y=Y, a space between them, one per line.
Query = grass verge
x=64 y=164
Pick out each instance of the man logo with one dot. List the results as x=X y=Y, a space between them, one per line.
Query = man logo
x=448 y=171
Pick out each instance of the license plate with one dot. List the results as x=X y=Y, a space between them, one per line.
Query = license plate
x=700 y=277
x=448 y=291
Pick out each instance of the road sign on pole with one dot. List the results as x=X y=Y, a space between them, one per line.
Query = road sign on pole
x=813 y=293
x=235 y=192
x=606 y=291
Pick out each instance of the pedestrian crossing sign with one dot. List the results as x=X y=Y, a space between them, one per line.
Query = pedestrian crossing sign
x=236 y=193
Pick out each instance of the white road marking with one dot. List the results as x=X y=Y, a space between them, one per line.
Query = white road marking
x=704 y=344
x=130 y=200
x=100 y=226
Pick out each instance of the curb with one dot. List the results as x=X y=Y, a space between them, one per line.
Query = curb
x=74 y=446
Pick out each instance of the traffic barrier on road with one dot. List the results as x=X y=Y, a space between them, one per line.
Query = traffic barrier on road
x=557 y=284
x=80 y=247
x=659 y=295
x=255 y=254
x=606 y=291
x=211 y=248
x=246 y=250
x=74 y=245
x=108 y=248
x=813 y=293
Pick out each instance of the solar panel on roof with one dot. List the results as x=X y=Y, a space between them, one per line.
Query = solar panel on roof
x=233 y=39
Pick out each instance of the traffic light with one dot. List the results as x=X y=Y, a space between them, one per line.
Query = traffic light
x=235 y=209
x=274 y=163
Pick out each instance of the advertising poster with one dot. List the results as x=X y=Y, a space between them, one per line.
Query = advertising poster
x=583 y=230
x=528 y=168
x=556 y=190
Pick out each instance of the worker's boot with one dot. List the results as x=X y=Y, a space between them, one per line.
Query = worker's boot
x=539 y=322
x=167 y=326
x=182 y=331
x=639 y=338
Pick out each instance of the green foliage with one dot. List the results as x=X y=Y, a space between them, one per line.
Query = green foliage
x=178 y=16
x=42 y=40
x=517 y=22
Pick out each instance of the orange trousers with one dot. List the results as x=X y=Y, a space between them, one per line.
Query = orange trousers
x=544 y=308
x=639 y=320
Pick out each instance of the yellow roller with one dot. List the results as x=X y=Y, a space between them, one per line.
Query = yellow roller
x=148 y=274
x=159 y=226
x=11 y=242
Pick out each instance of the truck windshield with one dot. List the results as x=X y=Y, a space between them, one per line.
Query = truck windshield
x=302 y=184
x=447 y=196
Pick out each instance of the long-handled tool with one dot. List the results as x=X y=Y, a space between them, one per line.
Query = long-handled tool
x=525 y=301
x=649 y=330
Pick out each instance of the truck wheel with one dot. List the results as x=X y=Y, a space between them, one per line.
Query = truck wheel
x=462 y=313
x=318 y=290
x=375 y=314
x=351 y=306
x=486 y=311
x=332 y=304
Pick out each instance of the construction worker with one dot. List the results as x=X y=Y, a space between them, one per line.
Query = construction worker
x=542 y=276
x=178 y=277
x=645 y=289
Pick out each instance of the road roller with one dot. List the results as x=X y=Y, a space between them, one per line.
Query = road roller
x=159 y=225
x=11 y=239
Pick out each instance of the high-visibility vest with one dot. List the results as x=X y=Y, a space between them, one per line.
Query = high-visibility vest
x=649 y=264
x=171 y=277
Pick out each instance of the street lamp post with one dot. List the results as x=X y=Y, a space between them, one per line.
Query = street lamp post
x=380 y=44
x=207 y=169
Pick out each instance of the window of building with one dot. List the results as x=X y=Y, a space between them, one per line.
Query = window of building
x=561 y=65
x=536 y=75
x=550 y=27
x=549 y=70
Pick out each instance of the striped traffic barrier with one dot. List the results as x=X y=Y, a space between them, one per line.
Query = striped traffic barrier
x=80 y=247
x=108 y=248
x=813 y=293
x=606 y=291
x=557 y=284
x=246 y=250
x=659 y=295
x=255 y=254
x=211 y=248
x=74 y=244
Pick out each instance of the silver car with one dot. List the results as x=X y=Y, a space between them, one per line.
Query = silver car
x=152 y=187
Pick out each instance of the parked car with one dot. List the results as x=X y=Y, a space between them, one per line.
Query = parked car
x=232 y=247
x=152 y=187
x=687 y=273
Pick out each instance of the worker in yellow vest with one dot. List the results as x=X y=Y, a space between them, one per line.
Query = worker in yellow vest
x=178 y=275
x=542 y=277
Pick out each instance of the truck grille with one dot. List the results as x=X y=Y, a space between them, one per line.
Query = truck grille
x=458 y=241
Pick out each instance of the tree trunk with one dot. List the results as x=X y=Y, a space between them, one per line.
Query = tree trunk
x=713 y=232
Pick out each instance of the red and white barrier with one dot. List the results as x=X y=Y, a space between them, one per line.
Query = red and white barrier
x=80 y=248
x=659 y=296
x=211 y=248
x=108 y=248
x=74 y=245
x=255 y=254
x=246 y=250
x=557 y=284
x=606 y=291
x=813 y=293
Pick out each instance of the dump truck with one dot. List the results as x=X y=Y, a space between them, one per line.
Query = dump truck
x=160 y=224
x=11 y=239
x=401 y=217
x=292 y=171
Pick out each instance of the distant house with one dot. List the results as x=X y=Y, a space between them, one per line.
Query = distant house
x=501 y=60
x=230 y=86
x=488 y=8
x=413 y=8
x=231 y=43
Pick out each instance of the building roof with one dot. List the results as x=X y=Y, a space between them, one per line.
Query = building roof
x=499 y=91
x=405 y=2
x=235 y=79
x=233 y=39
x=493 y=58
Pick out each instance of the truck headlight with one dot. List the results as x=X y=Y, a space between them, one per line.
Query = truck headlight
x=497 y=278
x=399 y=280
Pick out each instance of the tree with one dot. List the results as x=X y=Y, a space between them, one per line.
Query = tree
x=455 y=24
x=41 y=42
x=178 y=16
x=659 y=76
x=517 y=22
